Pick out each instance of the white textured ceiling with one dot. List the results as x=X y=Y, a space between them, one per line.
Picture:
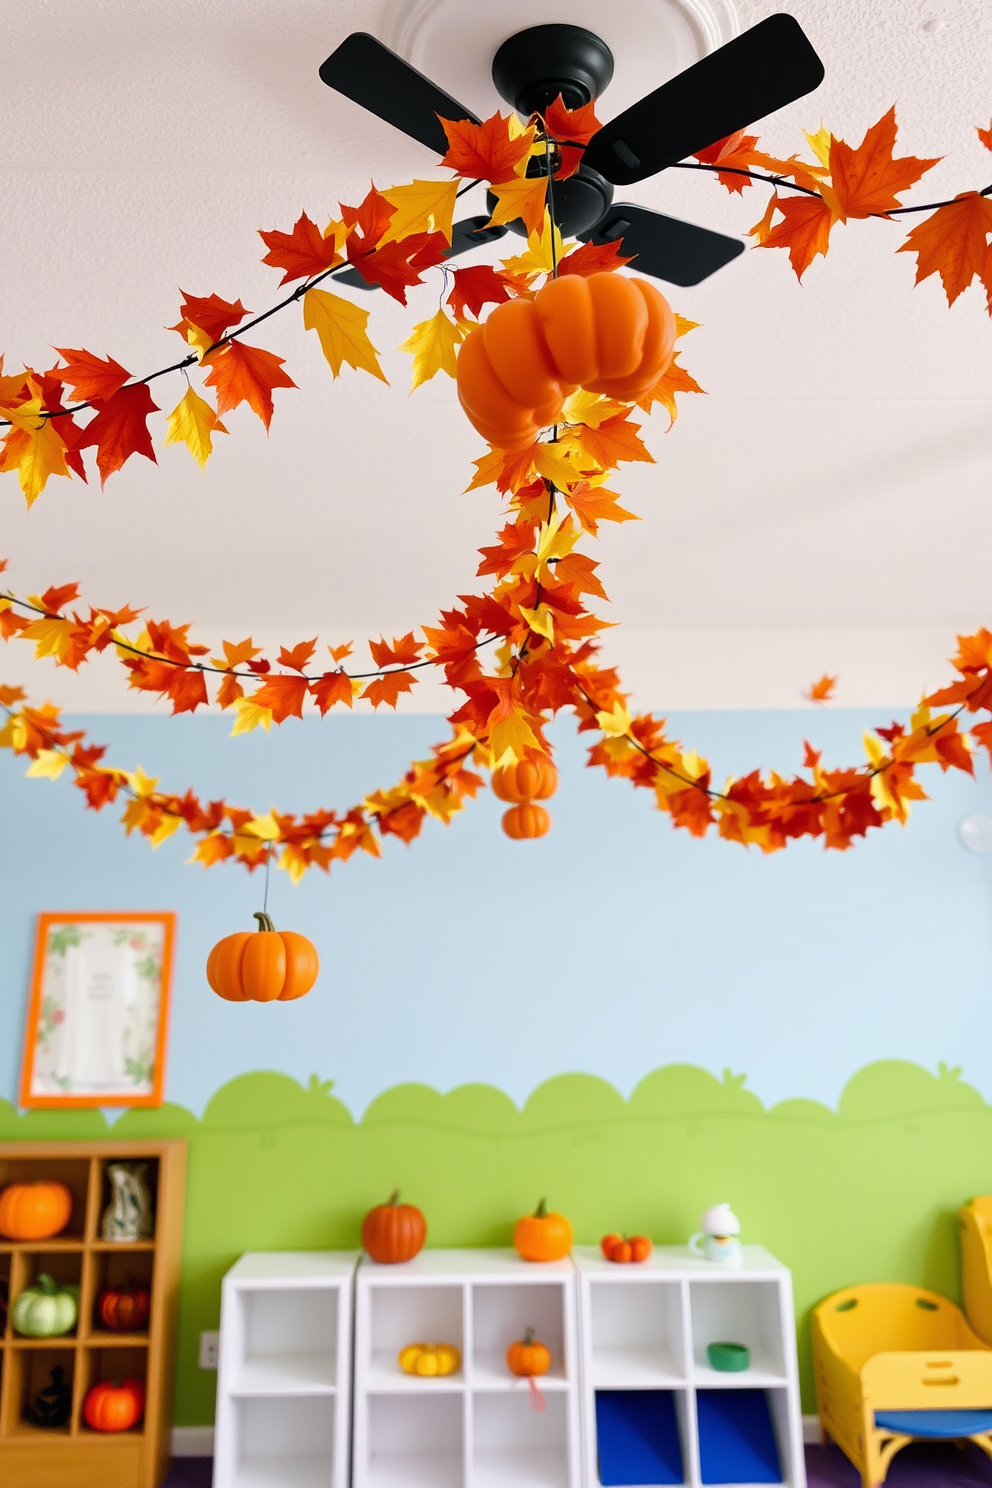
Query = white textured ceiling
x=827 y=506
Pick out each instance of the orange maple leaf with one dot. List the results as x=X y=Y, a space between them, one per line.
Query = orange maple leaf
x=804 y=229
x=209 y=314
x=594 y=258
x=299 y=656
x=284 y=695
x=302 y=252
x=822 y=690
x=485 y=152
x=90 y=377
x=594 y=504
x=864 y=180
x=401 y=653
x=675 y=379
x=388 y=688
x=246 y=374
x=474 y=287
x=331 y=688
x=734 y=151
x=952 y=243
x=615 y=439
x=577 y=126
x=119 y=429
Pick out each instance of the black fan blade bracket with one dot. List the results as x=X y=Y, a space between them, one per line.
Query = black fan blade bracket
x=381 y=81
x=664 y=247
x=762 y=70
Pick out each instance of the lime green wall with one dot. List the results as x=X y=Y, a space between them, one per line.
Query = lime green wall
x=868 y=1192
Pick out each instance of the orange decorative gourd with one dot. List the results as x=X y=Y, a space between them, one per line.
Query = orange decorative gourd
x=34 y=1211
x=124 y=1309
x=526 y=820
x=606 y=333
x=115 y=1406
x=527 y=1357
x=394 y=1232
x=527 y=780
x=623 y=1249
x=265 y=965
x=542 y=1236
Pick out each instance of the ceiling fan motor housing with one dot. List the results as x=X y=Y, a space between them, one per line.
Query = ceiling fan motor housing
x=533 y=67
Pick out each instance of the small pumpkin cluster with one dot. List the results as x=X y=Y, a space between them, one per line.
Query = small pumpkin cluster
x=524 y=784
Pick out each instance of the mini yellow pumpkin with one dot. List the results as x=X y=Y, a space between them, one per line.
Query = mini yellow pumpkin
x=430 y=1359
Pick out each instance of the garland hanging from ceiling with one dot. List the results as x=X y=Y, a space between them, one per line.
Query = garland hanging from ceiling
x=533 y=616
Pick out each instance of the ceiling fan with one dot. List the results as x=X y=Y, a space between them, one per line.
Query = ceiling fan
x=758 y=72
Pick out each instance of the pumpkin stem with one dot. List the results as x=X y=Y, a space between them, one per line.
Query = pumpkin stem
x=47 y=1284
x=264 y=921
x=541 y=1209
x=394 y=1197
x=528 y=1338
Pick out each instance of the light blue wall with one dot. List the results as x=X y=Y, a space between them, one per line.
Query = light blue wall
x=613 y=946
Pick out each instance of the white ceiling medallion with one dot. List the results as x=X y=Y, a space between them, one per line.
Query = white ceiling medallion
x=453 y=41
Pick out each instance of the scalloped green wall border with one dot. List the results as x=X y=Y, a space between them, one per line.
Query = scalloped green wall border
x=867 y=1192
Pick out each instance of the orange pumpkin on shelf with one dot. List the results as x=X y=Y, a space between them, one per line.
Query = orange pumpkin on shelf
x=394 y=1232
x=124 y=1309
x=526 y=820
x=34 y=1211
x=606 y=333
x=527 y=780
x=623 y=1249
x=527 y=1357
x=114 y=1405
x=542 y=1236
x=264 y=965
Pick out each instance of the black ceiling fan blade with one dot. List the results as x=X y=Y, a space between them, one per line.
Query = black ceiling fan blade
x=371 y=75
x=666 y=248
x=471 y=232
x=753 y=75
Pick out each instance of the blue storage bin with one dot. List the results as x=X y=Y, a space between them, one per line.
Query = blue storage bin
x=736 y=1437
x=637 y=1438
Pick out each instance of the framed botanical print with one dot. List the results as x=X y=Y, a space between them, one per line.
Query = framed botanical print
x=99 y=1010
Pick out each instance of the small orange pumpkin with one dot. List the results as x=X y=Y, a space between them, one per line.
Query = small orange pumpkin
x=605 y=332
x=114 y=1405
x=527 y=780
x=527 y=1357
x=542 y=1236
x=394 y=1232
x=34 y=1211
x=267 y=965
x=124 y=1309
x=624 y=1249
x=526 y=820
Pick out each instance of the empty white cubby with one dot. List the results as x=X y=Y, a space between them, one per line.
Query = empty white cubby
x=284 y=1375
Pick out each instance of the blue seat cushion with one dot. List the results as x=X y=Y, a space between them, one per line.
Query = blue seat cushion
x=935 y=1423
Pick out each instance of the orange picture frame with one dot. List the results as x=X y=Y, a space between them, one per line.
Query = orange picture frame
x=98 y=1014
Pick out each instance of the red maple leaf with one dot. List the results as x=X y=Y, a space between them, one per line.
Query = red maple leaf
x=302 y=252
x=209 y=314
x=395 y=267
x=66 y=427
x=246 y=374
x=594 y=258
x=485 y=152
x=55 y=597
x=370 y=219
x=577 y=126
x=474 y=287
x=119 y=429
x=93 y=379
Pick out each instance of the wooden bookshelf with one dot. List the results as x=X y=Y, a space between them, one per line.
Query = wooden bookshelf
x=37 y=1457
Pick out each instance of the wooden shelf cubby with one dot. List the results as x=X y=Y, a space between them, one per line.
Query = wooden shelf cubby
x=31 y=1455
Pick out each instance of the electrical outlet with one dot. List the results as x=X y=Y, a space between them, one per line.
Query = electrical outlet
x=209 y=1350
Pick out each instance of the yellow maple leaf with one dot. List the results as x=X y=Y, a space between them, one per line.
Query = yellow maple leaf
x=432 y=346
x=423 y=206
x=193 y=422
x=51 y=637
x=550 y=461
x=35 y=451
x=539 y=257
x=341 y=328
x=591 y=409
x=169 y=823
x=683 y=326
x=524 y=197
x=541 y=621
x=511 y=738
x=47 y=764
x=614 y=724
x=293 y=862
x=24 y=415
x=266 y=828
x=250 y=715
x=819 y=143
x=140 y=783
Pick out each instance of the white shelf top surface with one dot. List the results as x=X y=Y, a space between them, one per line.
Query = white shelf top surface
x=464 y=1265
x=284 y=1472
x=293 y=1266
x=519 y=1469
x=383 y=1374
x=415 y=1470
x=286 y=1374
x=636 y=1369
x=678 y=1261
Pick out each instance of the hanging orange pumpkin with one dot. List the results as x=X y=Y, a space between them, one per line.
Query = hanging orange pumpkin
x=526 y=820
x=266 y=965
x=542 y=1236
x=527 y=780
x=527 y=1357
x=34 y=1211
x=606 y=333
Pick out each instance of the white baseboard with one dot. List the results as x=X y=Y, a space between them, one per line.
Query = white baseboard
x=811 y=1430
x=192 y=1441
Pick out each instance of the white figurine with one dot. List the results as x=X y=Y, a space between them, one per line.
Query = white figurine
x=717 y=1239
x=128 y=1216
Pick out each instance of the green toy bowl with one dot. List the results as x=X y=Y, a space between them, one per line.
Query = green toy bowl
x=730 y=1358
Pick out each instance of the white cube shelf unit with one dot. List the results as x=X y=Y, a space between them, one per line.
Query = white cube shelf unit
x=476 y=1428
x=283 y=1385
x=654 y=1409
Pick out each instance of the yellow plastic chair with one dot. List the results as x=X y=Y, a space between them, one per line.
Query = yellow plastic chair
x=894 y=1364
x=975 y=1226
